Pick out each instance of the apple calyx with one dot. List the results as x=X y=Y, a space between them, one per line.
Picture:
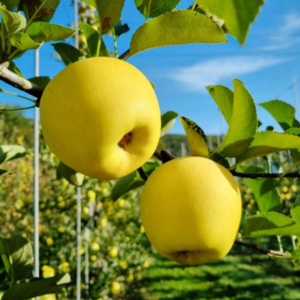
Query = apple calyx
x=125 y=140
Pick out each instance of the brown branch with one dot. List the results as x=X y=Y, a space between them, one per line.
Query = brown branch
x=265 y=175
x=143 y=174
x=126 y=53
x=19 y=82
x=264 y=251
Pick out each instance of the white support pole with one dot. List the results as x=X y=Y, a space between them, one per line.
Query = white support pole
x=36 y=182
x=78 y=271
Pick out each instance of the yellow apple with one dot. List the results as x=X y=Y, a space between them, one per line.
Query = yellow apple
x=113 y=251
x=191 y=210
x=101 y=117
x=115 y=287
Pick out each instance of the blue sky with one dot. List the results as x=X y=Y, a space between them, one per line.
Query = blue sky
x=266 y=64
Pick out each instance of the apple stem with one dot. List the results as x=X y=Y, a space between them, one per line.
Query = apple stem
x=125 y=140
x=143 y=174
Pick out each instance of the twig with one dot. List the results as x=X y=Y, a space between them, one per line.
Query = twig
x=123 y=55
x=265 y=175
x=19 y=82
x=143 y=174
x=265 y=251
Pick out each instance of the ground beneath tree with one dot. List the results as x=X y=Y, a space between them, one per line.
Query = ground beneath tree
x=238 y=276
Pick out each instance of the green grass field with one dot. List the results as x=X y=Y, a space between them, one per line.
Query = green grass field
x=238 y=276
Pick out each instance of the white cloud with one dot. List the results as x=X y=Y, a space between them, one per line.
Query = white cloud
x=211 y=72
x=285 y=36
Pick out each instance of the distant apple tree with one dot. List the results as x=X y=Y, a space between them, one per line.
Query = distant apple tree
x=247 y=150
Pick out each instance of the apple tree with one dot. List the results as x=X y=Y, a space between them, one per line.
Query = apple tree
x=25 y=25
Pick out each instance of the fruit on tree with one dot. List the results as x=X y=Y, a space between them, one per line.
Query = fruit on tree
x=100 y=116
x=113 y=251
x=115 y=287
x=191 y=210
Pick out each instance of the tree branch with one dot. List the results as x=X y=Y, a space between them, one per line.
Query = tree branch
x=265 y=175
x=123 y=55
x=264 y=251
x=19 y=82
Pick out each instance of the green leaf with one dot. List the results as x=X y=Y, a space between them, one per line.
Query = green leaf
x=110 y=13
x=41 y=81
x=68 y=53
x=18 y=257
x=295 y=211
x=91 y=36
x=282 y=112
x=11 y=4
x=270 y=223
x=13 y=67
x=220 y=159
x=46 y=32
x=174 y=28
x=39 y=287
x=295 y=254
x=243 y=220
x=121 y=29
x=243 y=123
x=71 y=175
x=294 y=131
x=10 y=152
x=14 y=22
x=22 y=41
x=238 y=15
x=157 y=7
x=167 y=121
x=45 y=14
x=196 y=137
x=223 y=97
x=264 y=190
x=267 y=142
x=126 y=184
x=131 y=181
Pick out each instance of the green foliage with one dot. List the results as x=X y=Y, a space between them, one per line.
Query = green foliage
x=110 y=13
x=68 y=53
x=19 y=34
x=155 y=8
x=167 y=121
x=69 y=174
x=47 y=32
x=10 y=152
x=295 y=211
x=243 y=123
x=223 y=97
x=39 y=10
x=264 y=190
x=267 y=142
x=14 y=22
x=270 y=223
x=23 y=42
x=173 y=28
x=35 y=288
x=238 y=15
x=91 y=36
x=282 y=112
x=17 y=256
x=196 y=137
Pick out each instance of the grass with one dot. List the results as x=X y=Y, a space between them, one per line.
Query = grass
x=237 y=276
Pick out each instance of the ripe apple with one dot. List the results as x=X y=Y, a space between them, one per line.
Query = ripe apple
x=191 y=210
x=100 y=116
